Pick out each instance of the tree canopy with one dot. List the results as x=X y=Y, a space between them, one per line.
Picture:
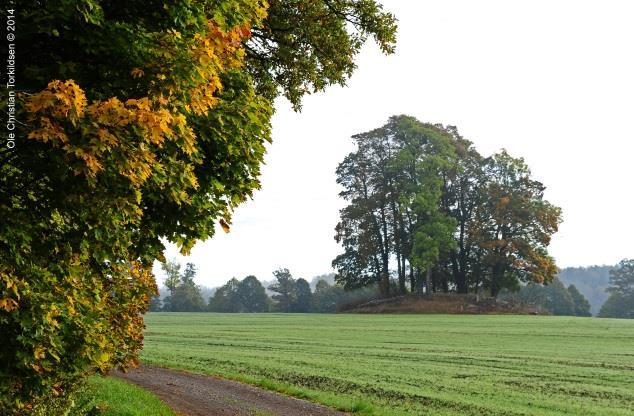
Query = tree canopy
x=554 y=298
x=285 y=289
x=427 y=208
x=186 y=296
x=620 y=304
x=142 y=122
x=247 y=295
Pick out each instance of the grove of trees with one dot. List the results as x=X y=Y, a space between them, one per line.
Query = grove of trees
x=185 y=295
x=141 y=122
x=247 y=295
x=428 y=211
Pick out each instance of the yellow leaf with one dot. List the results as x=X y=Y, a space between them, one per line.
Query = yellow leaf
x=8 y=304
x=137 y=72
x=39 y=353
x=224 y=225
x=103 y=358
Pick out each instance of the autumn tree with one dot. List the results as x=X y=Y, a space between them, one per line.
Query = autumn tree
x=514 y=225
x=141 y=122
x=426 y=207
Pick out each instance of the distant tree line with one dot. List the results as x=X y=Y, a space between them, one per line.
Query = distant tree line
x=559 y=300
x=620 y=304
x=184 y=293
x=249 y=295
x=592 y=281
x=430 y=213
x=554 y=298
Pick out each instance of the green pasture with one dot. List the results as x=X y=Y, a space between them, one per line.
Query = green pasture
x=412 y=364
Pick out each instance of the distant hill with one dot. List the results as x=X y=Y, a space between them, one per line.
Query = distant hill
x=591 y=281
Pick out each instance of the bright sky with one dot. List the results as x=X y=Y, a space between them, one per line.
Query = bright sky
x=551 y=81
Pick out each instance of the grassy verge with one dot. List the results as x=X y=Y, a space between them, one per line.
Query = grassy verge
x=107 y=396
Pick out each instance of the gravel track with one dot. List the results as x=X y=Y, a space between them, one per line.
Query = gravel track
x=198 y=395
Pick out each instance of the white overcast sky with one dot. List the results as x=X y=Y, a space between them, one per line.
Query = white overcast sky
x=551 y=81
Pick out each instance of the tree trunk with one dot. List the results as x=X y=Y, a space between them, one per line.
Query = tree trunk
x=428 y=289
x=401 y=273
x=385 y=278
x=496 y=277
x=445 y=283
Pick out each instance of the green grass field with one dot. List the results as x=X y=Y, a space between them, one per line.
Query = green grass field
x=107 y=396
x=412 y=364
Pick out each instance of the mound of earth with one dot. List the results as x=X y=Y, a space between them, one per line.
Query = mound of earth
x=445 y=303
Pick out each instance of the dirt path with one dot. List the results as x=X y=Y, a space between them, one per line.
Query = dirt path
x=197 y=395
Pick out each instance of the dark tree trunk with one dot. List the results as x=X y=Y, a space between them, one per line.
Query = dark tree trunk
x=384 y=286
x=496 y=277
x=445 y=283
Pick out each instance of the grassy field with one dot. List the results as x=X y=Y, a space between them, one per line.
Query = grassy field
x=107 y=396
x=412 y=364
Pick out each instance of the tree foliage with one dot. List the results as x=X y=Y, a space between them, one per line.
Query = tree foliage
x=391 y=182
x=142 y=122
x=427 y=208
x=620 y=304
x=553 y=297
x=187 y=297
x=247 y=295
x=304 y=46
x=286 y=290
x=225 y=299
x=581 y=304
x=303 y=296
x=252 y=295
x=327 y=297
x=591 y=281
